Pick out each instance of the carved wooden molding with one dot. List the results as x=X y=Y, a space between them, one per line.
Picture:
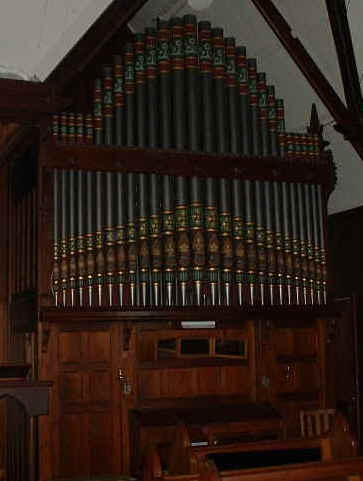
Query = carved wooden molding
x=45 y=332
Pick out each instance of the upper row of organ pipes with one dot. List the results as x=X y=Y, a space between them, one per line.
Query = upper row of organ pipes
x=185 y=86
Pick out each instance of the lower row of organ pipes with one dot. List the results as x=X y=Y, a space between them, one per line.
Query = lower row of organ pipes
x=131 y=240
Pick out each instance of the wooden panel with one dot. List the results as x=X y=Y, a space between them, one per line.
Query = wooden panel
x=208 y=381
x=72 y=437
x=72 y=386
x=295 y=342
x=70 y=347
x=100 y=442
x=149 y=384
x=236 y=380
x=305 y=342
x=297 y=377
x=178 y=383
x=99 y=346
x=283 y=342
x=100 y=385
x=308 y=377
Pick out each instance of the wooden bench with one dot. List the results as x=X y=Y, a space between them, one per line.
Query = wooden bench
x=204 y=462
x=221 y=422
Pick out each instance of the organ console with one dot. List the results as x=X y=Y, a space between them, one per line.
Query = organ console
x=181 y=279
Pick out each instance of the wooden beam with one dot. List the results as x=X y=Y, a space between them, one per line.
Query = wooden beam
x=26 y=102
x=339 y=23
x=116 y=15
x=346 y=121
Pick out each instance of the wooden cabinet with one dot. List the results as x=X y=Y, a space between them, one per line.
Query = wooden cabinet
x=109 y=369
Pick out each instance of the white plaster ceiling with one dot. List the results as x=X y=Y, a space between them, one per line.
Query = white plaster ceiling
x=36 y=34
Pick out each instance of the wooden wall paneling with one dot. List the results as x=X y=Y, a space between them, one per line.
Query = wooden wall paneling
x=128 y=387
x=345 y=378
x=253 y=340
x=208 y=380
x=345 y=231
x=29 y=237
x=25 y=241
x=177 y=383
x=4 y=260
x=12 y=239
x=193 y=375
x=48 y=425
x=4 y=292
x=23 y=244
x=295 y=371
x=44 y=235
x=264 y=353
x=17 y=245
x=34 y=253
x=149 y=384
x=322 y=360
x=236 y=380
x=345 y=271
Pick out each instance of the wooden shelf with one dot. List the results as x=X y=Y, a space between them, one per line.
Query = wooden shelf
x=195 y=362
x=282 y=316
x=186 y=163
x=295 y=359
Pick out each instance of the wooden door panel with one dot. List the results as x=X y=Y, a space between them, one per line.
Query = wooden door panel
x=100 y=443
x=70 y=347
x=100 y=385
x=72 y=446
x=99 y=346
x=90 y=402
x=72 y=386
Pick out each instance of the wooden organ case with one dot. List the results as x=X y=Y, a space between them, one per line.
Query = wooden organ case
x=180 y=277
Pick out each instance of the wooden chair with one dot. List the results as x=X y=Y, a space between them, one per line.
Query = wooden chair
x=316 y=422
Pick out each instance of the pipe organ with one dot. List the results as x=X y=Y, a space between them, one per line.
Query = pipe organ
x=177 y=201
x=138 y=239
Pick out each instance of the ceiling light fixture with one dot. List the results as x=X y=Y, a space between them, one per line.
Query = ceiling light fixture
x=200 y=4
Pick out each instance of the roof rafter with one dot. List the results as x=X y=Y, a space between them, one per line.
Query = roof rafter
x=339 y=23
x=346 y=121
x=115 y=16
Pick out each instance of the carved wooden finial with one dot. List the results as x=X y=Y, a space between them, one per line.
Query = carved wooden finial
x=316 y=128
